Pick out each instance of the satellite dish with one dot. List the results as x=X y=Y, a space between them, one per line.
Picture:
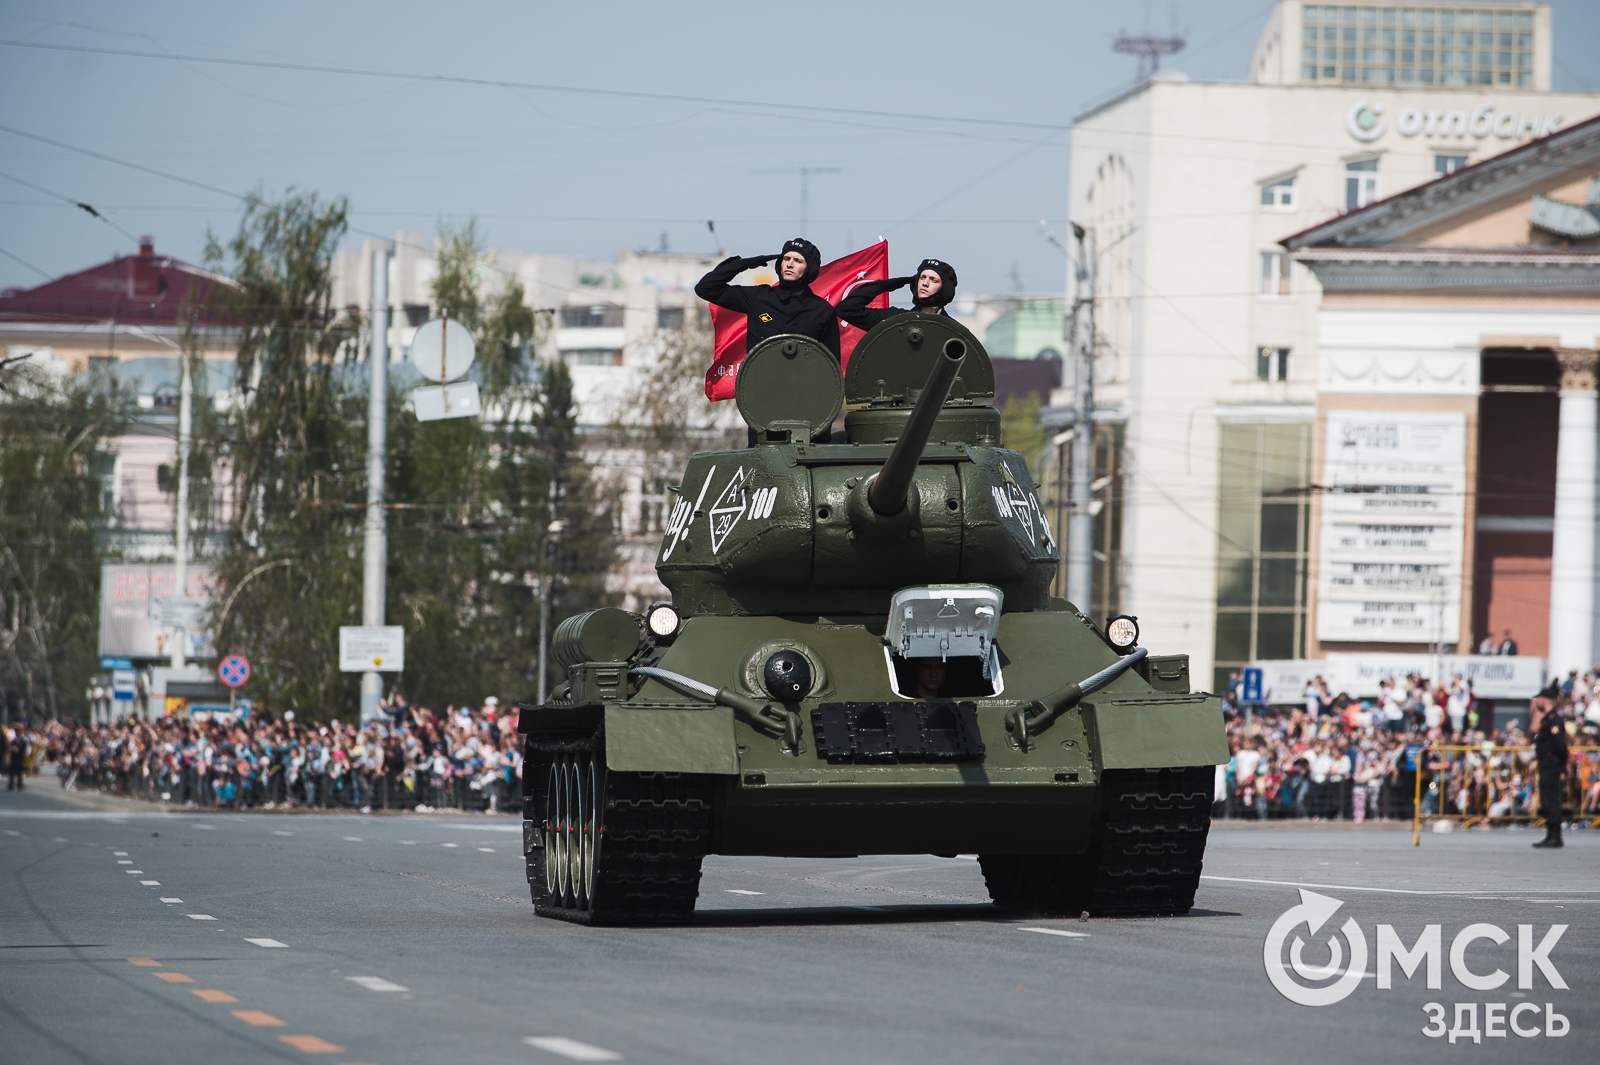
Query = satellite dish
x=442 y=350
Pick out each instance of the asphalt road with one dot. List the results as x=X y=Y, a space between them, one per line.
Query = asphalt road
x=132 y=935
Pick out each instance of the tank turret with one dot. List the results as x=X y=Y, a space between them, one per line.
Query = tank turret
x=915 y=490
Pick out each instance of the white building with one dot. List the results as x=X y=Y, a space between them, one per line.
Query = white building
x=1210 y=355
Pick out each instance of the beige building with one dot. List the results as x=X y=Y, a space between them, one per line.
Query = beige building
x=1211 y=354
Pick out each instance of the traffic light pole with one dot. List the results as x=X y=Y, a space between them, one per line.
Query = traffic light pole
x=375 y=561
x=1080 y=519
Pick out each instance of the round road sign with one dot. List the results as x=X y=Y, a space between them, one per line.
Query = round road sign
x=442 y=350
x=233 y=670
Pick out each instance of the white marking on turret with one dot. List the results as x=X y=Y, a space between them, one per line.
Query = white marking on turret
x=727 y=510
x=683 y=517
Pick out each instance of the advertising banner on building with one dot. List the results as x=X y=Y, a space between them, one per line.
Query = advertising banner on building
x=138 y=613
x=1360 y=675
x=1392 y=527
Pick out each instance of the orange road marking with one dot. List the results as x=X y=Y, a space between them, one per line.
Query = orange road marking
x=146 y=963
x=174 y=978
x=311 y=1044
x=257 y=1018
x=212 y=995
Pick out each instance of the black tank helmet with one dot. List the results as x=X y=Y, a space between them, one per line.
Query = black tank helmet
x=947 y=288
x=813 y=259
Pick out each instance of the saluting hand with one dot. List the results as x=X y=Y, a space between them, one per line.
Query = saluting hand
x=755 y=260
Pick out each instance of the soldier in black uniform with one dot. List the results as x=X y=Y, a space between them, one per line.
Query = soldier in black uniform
x=1550 y=750
x=934 y=286
x=788 y=307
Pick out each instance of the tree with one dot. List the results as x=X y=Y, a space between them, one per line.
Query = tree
x=470 y=536
x=294 y=450
x=52 y=505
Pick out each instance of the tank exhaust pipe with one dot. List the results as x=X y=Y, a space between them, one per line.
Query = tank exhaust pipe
x=890 y=484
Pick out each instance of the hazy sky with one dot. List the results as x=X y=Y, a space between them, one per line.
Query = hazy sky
x=581 y=174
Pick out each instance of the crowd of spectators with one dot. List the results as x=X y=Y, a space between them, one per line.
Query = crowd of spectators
x=412 y=758
x=1334 y=757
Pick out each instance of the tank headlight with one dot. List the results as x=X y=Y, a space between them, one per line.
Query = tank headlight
x=1123 y=632
x=663 y=621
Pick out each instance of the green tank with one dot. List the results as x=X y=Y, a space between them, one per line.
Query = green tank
x=862 y=656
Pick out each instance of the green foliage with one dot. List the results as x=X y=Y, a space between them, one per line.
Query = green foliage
x=1020 y=429
x=53 y=472
x=295 y=449
x=476 y=498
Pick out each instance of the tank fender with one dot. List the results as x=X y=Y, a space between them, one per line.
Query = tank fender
x=671 y=740
x=1155 y=733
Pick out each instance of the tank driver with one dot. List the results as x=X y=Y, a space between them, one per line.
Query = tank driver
x=788 y=307
x=934 y=287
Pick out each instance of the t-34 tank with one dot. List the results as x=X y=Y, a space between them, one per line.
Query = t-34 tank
x=862 y=656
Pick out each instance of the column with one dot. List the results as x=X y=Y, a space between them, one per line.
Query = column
x=1572 y=556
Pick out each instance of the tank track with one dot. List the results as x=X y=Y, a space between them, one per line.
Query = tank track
x=1144 y=860
x=653 y=832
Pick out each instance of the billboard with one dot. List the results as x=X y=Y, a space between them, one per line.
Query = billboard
x=138 y=613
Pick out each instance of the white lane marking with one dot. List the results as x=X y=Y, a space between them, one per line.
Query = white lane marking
x=9 y=832
x=134 y=872
x=200 y=917
x=57 y=839
x=1056 y=932
x=280 y=832
x=265 y=942
x=742 y=891
x=375 y=983
x=449 y=844
x=119 y=854
x=1385 y=890
x=151 y=883
x=484 y=828
x=171 y=900
x=571 y=1048
x=487 y=850
x=208 y=828
x=125 y=861
x=408 y=843
x=353 y=839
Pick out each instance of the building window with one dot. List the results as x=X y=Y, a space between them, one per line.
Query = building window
x=669 y=318
x=599 y=316
x=1263 y=517
x=1279 y=195
x=1500 y=38
x=593 y=356
x=1360 y=183
x=1448 y=164
x=1272 y=364
x=1277 y=274
x=652 y=504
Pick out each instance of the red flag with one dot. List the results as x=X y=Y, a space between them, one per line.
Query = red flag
x=834 y=282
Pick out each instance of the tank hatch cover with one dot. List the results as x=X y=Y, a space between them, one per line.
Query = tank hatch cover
x=940 y=620
x=789 y=378
x=896 y=354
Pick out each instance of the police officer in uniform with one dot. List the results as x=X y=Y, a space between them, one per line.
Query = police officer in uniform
x=1550 y=750
x=934 y=286
x=16 y=758
x=788 y=307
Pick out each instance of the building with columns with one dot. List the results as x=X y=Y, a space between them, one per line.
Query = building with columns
x=1455 y=433
x=1223 y=364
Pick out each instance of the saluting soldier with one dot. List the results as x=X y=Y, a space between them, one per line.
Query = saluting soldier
x=934 y=286
x=788 y=307
x=1550 y=750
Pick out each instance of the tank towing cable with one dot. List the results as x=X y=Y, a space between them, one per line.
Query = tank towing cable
x=763 y=716
x=1022 y=724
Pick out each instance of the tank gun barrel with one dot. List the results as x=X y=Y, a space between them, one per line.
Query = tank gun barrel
x=890 y=485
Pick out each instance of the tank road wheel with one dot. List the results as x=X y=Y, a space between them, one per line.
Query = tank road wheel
x=611 y=848
x=1143 y=862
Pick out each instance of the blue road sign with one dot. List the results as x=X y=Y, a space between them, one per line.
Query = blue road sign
x=116 y=663
x=1252 y=686
x=233 y=670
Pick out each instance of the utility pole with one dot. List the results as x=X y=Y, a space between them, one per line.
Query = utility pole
x=1080 y=522
x=375 y=561
x=805 y=173
x=180 y=590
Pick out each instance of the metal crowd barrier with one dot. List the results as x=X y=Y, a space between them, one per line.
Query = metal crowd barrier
x=1494 y=784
